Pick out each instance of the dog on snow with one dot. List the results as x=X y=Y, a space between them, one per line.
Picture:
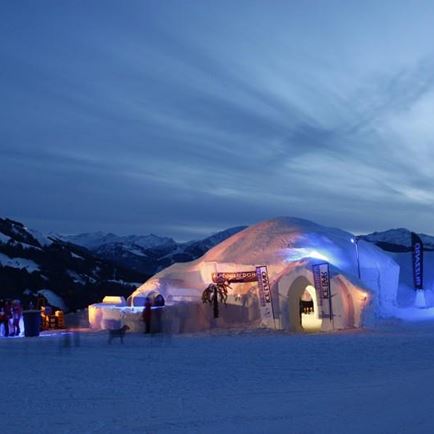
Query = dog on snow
x=118 y=333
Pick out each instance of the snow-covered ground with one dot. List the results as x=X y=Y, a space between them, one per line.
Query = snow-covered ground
x=371 y=381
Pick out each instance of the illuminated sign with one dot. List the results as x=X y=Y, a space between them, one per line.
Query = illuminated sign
x=264 y=294
x=235 y=277
x=417 y=256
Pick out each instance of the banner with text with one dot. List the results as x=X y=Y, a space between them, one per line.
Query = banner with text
x=417 y=256
x=264 y=296
x=321 y=278
x=235 y=277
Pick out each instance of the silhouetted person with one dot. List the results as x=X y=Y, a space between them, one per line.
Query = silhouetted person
x=16 y=317
x=8 y=317
x=4 y=319
x=40 y=301
x=147 y=314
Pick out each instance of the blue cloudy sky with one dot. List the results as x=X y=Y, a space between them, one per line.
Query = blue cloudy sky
x=185 y=117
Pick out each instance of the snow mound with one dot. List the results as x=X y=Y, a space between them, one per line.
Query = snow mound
x=288 y=239
x=288 y=247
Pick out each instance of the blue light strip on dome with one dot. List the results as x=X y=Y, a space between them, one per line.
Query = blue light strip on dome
x=295 y=254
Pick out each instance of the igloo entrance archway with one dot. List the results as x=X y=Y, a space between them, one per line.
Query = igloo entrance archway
x=298 y=321
x=348 y=302
x=310 y=319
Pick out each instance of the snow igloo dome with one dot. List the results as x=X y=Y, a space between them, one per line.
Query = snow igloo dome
x=362 y=280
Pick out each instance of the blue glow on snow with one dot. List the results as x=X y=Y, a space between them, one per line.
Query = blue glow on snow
x=420 y=301
x=295 y=254
x=317 y=255
x=413 y=313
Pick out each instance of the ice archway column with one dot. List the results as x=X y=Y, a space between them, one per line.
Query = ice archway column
x=348 y=300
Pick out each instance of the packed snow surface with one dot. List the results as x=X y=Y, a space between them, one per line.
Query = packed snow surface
x=373 y=381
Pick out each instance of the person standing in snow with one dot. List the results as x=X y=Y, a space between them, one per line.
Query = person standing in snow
x=5 y=316
x=3 y=319
x=147 y=313
x=16 y=317
x=40 y=301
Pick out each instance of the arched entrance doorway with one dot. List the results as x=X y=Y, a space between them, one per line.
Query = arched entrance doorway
x=310 y=320
x=303 y=309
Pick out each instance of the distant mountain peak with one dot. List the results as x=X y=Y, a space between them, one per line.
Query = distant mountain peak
x=147 y=253
x=18 y=232
x=96 y=240
x=398 y=239
x=31 y=262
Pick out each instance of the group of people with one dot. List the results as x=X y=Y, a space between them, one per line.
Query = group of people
x=10 y=317
x=148 y=317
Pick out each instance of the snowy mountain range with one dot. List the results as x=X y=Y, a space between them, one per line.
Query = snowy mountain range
x=31 y=262
x=151 y=253
x=146 y=253
x=83 y=268
x=397 y=240
x=94 y=240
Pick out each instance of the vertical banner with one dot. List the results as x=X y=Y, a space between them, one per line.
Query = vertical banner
x=417 y=256
x=321 y=278
x=264 y=296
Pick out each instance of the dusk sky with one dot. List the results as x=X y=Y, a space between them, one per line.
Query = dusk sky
x=183 y=118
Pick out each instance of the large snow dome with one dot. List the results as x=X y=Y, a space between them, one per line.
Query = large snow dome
x=289 y=248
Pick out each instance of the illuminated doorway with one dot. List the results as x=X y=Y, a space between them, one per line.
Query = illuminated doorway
x=309 y=315
x=301 y=295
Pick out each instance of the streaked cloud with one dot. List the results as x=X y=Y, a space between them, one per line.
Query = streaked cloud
x=186 y=117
